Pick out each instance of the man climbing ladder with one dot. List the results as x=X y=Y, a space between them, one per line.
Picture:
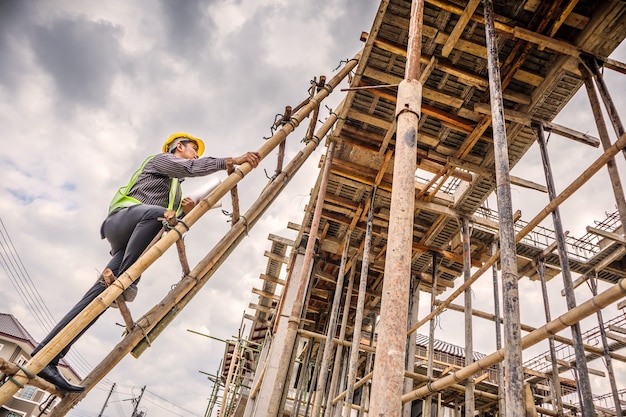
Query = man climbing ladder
x=133 y=222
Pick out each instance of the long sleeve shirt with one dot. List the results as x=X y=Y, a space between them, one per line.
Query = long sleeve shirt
x=154 y=182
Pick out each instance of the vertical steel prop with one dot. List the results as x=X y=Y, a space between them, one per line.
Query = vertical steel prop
x=514 y=381
x=387 y=384
x=584 y=384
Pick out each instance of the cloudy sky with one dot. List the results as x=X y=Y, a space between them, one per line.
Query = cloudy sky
x=89 y=89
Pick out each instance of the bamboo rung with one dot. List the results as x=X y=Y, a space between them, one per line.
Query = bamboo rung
x=109 y=278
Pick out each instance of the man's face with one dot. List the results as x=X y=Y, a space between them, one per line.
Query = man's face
x=188 y=150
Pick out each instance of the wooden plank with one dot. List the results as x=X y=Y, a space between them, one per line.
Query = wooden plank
x=615 y=337
x=265 y=294
x=456 y=33
x=617 y=329
x=546 y=42
x=528 y=184
x=274 y=280
x=572 y=134
x=280 y=239
x=261 y=308
x=605 y=234
x=275 y=257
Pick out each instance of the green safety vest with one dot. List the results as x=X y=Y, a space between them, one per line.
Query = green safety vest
x=123 y=200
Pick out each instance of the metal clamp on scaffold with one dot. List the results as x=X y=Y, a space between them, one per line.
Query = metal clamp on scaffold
x=409 y=97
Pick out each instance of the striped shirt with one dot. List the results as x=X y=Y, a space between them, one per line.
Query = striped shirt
x=153 y=185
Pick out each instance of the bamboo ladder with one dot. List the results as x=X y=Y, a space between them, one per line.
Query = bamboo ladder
x=139 y=334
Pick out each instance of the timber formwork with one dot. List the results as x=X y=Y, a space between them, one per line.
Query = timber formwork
x=547 y=51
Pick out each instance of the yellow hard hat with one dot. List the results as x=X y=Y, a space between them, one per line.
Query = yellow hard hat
x=184 y=136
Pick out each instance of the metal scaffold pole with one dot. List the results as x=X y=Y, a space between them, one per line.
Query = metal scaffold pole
x=514 y=381
x=388 y=380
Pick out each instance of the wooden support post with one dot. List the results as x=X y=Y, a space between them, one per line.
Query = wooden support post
x=411 y=344
x=510 y=296
x=606 y=350
x=584 y=384
x=611 y=166
x=338 y=352
x=431 y=332
x=172 y=221
x=469 y=341
x=496 y=312
x=331 y=330
x=557 y=401
x=109 y=278
x=277 y=401
x=608 y=101
x=389 y=362
x=360 y=306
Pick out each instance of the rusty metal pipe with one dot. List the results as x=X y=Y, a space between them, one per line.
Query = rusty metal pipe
x=389 y=362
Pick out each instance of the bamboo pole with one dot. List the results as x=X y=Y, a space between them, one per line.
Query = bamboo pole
x=557 y=401
x=469 y=341
x=277 y=399
x=514 y=383
x=339 y=351
x=496 y=312
x=584 y=383
x=161 y=314
x=616 y=184
x=332 y=328
x=389 y=362
x=360 y=306
x=584 y=310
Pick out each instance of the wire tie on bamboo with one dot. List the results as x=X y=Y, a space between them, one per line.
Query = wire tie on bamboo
x=238 y=171
x=28 y=373
x=429 y=386
x=145 y=334
x=15 y=382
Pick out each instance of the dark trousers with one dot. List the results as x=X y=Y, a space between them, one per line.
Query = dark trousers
x=129 y=231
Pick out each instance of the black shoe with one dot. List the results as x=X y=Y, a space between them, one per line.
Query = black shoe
x=51 y=374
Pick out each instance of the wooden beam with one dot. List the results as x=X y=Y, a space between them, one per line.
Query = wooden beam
x=608 y=235
x=615 y=337
x=266 y=294
x=456 y=33
x=280 y=239
x=528 y=184
x=617 y=329
x=274 y=280
x=276 y=257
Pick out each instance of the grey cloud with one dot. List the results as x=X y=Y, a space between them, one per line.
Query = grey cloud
x=82 y=57
x=188 y=28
